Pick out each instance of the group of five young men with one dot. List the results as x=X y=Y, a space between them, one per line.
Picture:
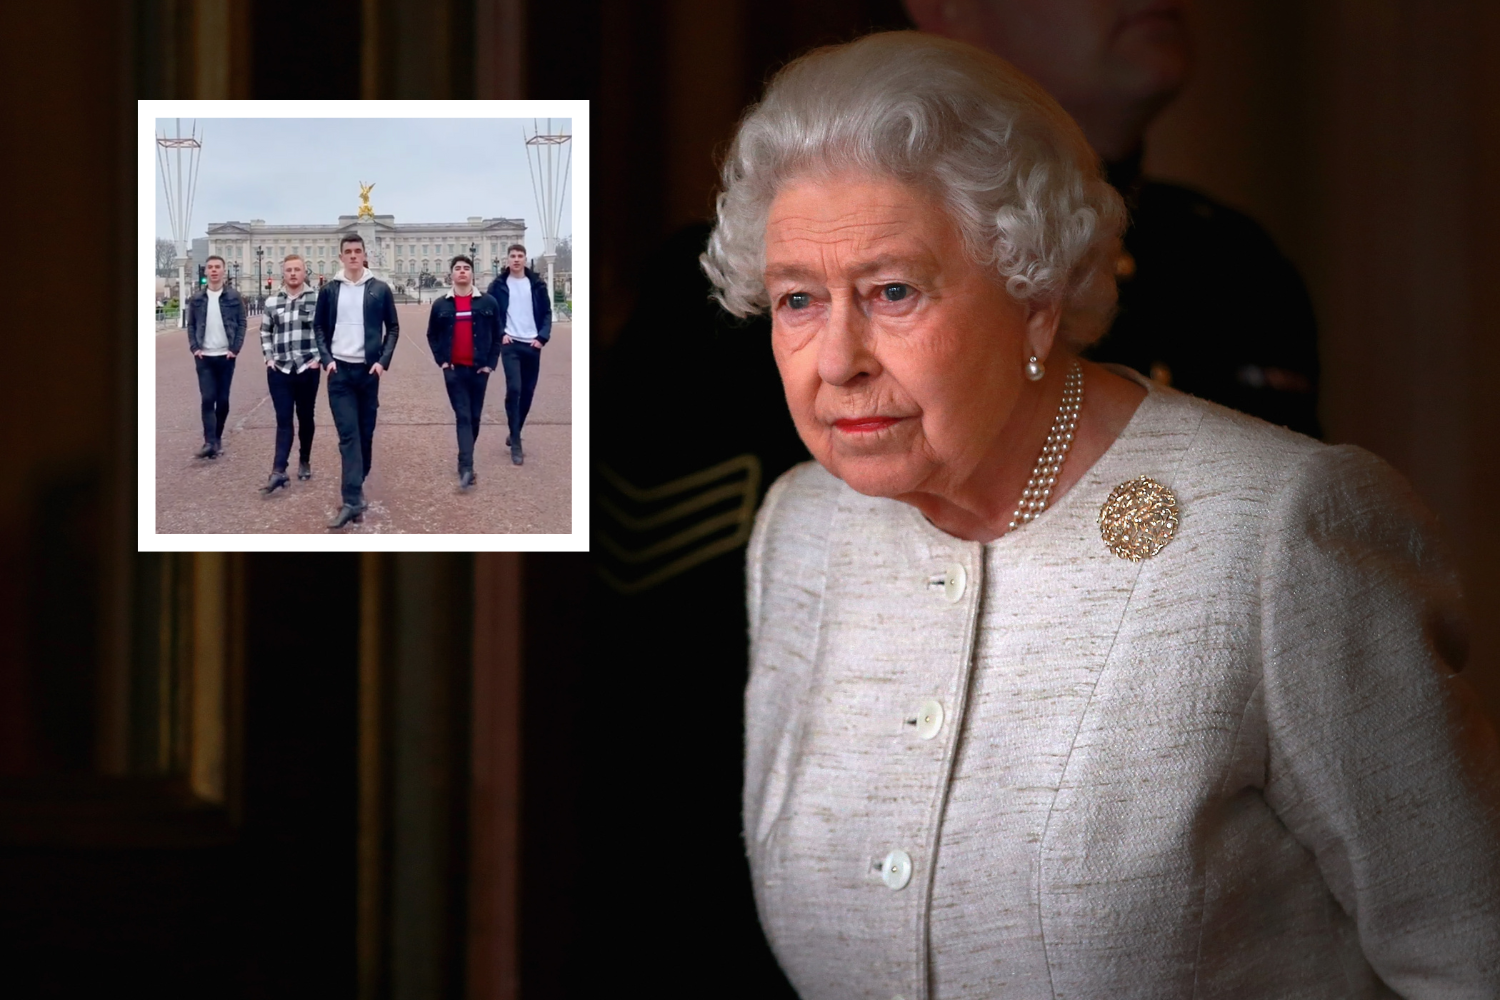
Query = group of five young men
x=349 y=328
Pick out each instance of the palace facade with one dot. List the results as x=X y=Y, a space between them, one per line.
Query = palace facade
x=401 y=254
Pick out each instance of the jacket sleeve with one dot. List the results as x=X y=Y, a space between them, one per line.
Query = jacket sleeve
x=543 y=310
x=323 y=324
x=432 y=336
x=497 y=328
x=194 y=326
x=392 y=329
x=786 y=567
x=1379 y=760
x=237 y=334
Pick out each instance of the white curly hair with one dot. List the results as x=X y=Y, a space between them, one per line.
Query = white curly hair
x=1015 y=172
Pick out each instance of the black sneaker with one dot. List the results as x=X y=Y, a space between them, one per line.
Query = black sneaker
x=207 y=451
x=304 y=470
x=466 y=479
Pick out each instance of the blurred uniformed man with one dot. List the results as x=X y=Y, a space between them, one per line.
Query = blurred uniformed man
x=1208 y=304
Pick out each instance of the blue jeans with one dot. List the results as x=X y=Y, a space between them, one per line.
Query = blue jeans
x=354 y=398
x=299 y=390
x=466 y=388
x=521 y=362
x=215 y=373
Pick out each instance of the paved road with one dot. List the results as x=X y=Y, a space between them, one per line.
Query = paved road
x=413 y=484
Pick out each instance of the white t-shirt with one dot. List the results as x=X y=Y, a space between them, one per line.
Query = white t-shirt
x=348 y=342
x=215 y=338
x=520 y=320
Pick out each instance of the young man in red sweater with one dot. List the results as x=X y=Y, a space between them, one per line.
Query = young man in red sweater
x=463 y=331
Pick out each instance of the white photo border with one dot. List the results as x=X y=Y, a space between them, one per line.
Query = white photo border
x=149 y=540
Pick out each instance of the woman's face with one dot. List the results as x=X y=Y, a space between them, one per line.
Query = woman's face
x=902 y=360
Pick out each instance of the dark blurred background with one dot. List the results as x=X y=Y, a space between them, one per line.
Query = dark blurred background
x=494 y=776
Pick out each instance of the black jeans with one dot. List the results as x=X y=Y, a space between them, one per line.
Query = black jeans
x=299 y=390
x=354 y=398
x=521 y=362
x=215 y=372
x=466 y=385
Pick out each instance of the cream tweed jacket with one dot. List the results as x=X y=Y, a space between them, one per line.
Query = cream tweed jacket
x=1244 y=768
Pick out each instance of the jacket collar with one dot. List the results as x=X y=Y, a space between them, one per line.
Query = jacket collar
x=473 y=291
x=364 y=277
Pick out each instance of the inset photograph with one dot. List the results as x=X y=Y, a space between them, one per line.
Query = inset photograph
x=363 y=326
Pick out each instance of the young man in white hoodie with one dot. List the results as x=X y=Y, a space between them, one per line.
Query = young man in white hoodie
x=356 y=327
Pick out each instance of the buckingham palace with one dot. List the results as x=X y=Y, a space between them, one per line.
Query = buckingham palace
x=400 y=253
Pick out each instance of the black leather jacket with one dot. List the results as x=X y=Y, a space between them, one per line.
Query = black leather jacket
x=380 y=311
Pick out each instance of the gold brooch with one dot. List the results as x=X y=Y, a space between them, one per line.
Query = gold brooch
x=1138 y=519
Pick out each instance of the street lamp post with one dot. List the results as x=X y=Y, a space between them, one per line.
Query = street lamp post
x=495 y=268
x=260 y=252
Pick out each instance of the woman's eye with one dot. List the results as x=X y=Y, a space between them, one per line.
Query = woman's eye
x=799 y=300
x=894 y=293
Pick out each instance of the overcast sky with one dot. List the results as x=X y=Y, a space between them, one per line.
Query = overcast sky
x=307 y=170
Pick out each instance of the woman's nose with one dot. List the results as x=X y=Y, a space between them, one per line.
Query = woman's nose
x=844 y=353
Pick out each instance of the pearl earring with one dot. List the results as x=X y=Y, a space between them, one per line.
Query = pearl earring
x=1035 y=369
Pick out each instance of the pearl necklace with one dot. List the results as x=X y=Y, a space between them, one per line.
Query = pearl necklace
x=1038 y=491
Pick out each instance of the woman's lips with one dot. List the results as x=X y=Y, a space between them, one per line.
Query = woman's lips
x=865 y=425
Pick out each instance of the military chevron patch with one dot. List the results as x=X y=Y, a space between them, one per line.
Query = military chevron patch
x=648 y=535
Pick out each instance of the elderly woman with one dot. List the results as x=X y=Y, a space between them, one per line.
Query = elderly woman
x=1065 y=684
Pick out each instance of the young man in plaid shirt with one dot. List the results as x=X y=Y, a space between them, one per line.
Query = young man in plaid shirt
x=292 y=370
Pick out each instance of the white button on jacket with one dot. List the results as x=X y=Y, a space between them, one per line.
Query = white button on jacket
x=955 y=579
x=895 y=870
x=929 y=719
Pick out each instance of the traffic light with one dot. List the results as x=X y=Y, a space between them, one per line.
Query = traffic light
x=202 y=279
